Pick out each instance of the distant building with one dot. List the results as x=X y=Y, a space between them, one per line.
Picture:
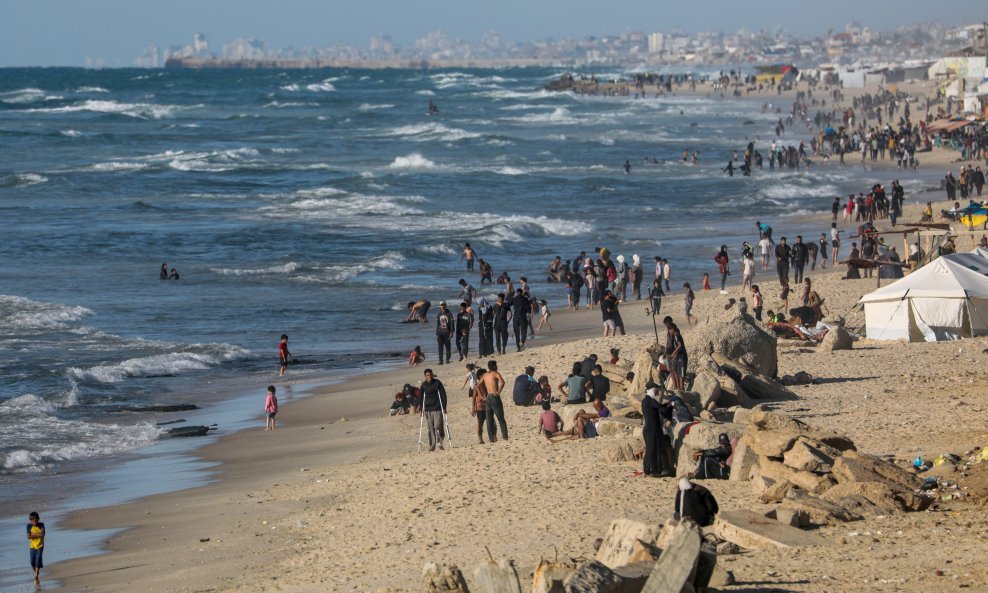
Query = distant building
x=200 y=47
x=656 y=43
x=382 y=45
x=245 y=49
x=149 y=58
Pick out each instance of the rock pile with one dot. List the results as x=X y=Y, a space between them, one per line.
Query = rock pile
x=735 y=335
x=818 y=477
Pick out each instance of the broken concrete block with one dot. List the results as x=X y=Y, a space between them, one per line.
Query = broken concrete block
x=837 y=338
x=778 y=422
x=742 y=416
x=756 y=532
x=722 y=578
x=443 y=578
x=770 y=443
x=707 y=387
x=676 y=567
x=818 y=511
x=743 y=461
x=791 y=517
x=812 y=483
x=609 y=427
x=852 y=466
x=760 y=484
x=777 y=492
x=804 y=457
x=627 y=542
x=500 y=577
x=593 y=577
x=876 y=498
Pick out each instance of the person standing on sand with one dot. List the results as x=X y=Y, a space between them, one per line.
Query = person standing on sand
x=464 y=321
x=834 y=242
x=636 y=276
x=723 y=267
x=478 y=404
x=468 y=254
x=747 y=272
x=757 y=301
x=666 y=273
x=283 y=355
x=765 y=248
x=492 y=383
x=655 y=462
x=799 y=255
x=433 y=403
x=783 y=253
x=688 y=298
x=270 y=408
x=502 y=314
x=445 y=324
x=485 y=328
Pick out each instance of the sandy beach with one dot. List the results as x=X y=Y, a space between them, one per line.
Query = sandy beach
x=338 y=498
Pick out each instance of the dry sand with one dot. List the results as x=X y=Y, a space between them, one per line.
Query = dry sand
x=327 y=504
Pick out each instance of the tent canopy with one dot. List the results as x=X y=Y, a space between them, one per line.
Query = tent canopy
x=941 y=278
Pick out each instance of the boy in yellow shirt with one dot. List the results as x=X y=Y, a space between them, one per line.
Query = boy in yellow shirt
x=36 y=539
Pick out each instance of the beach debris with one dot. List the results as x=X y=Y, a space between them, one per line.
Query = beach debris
x=743 y=460
x=203 y=540
x=677 y=566
x=814 y=511
x=594 y=577
x=443 y=578
x=188 y=431
x=548 y=576
x=752 y=531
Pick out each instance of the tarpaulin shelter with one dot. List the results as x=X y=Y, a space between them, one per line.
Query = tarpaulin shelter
x=943 y=300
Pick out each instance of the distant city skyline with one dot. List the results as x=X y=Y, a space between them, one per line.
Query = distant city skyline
x=114 y=32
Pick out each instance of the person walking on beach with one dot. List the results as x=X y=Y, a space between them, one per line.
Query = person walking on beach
x=478 y=404
x=688 y=298
x=468 y=254
x=823 y=251
x=666 y=273
x=433 y=403
x=502 y=314
x=464 y=321
x=834 y=242
x=636 y=276
x=520 y=308
x=765 y=248
x=36 y=545
x=445 y=324
x=283 y=355
x=747 y=272
x=655 y=295
x=485 y=328
x=544 y=315
x=757 y=301
x=783 y=253
x=270 y=408
x=492 y=383
x=723 y=267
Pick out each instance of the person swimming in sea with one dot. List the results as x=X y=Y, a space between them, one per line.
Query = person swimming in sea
x=163 y=274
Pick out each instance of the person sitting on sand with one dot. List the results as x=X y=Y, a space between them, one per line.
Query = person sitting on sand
x=712 y=463
x=550 y=423
x=574 y=387
x=584 y=426
x=414 y=397
x=400 y=405
x=545 y=390
x=416 y=357
x=525 y=388
x=417 y=311
x=599 y=385
x=695 y=502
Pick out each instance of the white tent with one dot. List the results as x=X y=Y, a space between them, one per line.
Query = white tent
x=943 y=300
x=976 y=260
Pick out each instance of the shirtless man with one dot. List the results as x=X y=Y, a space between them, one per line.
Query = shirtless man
x=417 y=311
x=492 y=383
x=468 y=254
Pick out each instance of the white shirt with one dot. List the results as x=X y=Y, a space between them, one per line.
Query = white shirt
x=765 y=245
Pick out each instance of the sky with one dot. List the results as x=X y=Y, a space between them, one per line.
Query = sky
x=114 y=32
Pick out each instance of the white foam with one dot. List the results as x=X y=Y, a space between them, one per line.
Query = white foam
x=412 y=161
x=426 y=92
x=91 y=89
x=426 y=132
x=70 y=133
x=559 y=116
x=374 y=106
x=118 y=166
x=315 y=87
x=287 y=268
x=160 y=364
x=26 y=95
x=795 y=190
x=23 y=314
x=24 y=179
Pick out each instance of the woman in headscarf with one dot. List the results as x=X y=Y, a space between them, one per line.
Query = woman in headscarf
x=485 y=327
x=655 y=462
x=636 y=276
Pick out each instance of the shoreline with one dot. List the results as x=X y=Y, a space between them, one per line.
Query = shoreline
x=239 y=470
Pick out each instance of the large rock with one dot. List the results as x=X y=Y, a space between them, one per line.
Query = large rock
x=805 y=456
x=646 y=368
x=820 y=511
x=779 y=422
x=443 y=578
x=738 y=336
x=776 y=492
x=770 y=443
x=752 y=531
x=810 y=482
x=731 y=393
x=569 y=411
x=621 y=451
x=627 y=542
x=875 y=498
x=703 y=435
x=676 y=568
x=837 y=338
x=615 y=427
x=615 y=373
x=707 y=387
x=593 y=577
x=743 y=462
x=852 y=466
x=499 y=577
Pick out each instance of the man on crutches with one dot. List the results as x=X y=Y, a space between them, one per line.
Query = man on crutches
x=433 y=411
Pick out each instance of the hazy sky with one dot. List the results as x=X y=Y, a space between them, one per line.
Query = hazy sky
x=66 y=32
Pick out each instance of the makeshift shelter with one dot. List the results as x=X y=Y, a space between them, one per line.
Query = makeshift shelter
x=943 y=300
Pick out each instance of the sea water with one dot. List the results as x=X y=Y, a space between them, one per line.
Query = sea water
x=317 y=203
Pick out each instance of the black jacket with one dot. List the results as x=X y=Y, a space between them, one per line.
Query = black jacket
x=432 y=393
x=698 y=504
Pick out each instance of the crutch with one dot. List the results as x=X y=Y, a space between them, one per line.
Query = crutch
x=421 y=425
x=449 y=438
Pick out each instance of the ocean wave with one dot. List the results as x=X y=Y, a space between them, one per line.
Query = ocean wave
x=439 y=249
x=374 y=106
x=26 y=179
x=91 y=89
x=118 y=166
x=430 y=131
x=287 y=268
x=286 y=104
x=316 y=87
x=35 y=437
x=795 y=190
x=71 y=133
x=20 y=314
x=412 y=161
x=27 y=95
x=559 y=116
x=426 y=92
x=170 y=363
x=285 y=150
x=136 y=110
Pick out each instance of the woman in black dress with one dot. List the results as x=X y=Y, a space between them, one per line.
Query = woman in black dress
x=656 y=459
